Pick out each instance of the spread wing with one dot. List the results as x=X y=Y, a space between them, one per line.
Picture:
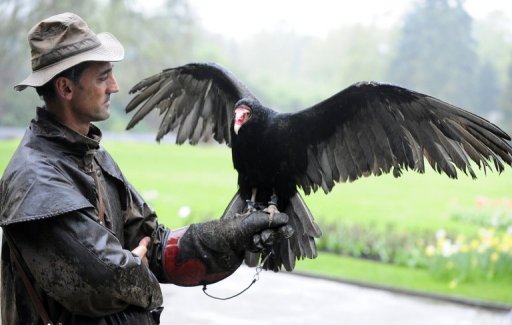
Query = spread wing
x=196 y=99
x=371 y=128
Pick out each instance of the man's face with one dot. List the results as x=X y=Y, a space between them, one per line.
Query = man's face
x=91 y=96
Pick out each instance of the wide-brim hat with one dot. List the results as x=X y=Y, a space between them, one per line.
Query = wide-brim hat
x=63 y=41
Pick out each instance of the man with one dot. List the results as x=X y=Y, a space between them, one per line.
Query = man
x=80 y=244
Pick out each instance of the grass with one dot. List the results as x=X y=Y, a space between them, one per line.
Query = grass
x=417 y=280
x=187 y=176
x=201 y=178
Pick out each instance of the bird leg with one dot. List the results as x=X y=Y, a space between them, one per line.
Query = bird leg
x=272 y=206
x=250 y=205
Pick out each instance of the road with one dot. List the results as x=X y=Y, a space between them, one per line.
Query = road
x=281 y=298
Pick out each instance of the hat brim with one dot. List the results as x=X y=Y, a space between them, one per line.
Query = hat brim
x=110 y=50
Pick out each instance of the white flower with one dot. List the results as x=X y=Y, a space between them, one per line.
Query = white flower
x=447 y=249
x=440 y=234
x=486 y=234
x=184 y=212
x=150 y=195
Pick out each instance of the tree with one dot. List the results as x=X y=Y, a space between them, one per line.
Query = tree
x=495 y=41
x=436 y=52
x=487 y=92
x=153 y=40
x=291 y=71
x=506 y=103
x=16 y=18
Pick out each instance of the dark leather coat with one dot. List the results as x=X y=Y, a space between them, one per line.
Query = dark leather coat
x=49 y=207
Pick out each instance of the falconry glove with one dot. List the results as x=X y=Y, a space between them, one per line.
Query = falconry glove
x=208 y=252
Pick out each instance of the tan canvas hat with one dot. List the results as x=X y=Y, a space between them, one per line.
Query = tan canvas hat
x=62 y=41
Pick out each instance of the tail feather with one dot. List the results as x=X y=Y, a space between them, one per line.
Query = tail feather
x=310 y=229
x=305 y=216
x=252 y=259
x=283 y=254
x=302 y=243
x=287 y=256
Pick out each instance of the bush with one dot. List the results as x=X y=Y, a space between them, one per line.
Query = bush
x=487 y=256
x=386 y=244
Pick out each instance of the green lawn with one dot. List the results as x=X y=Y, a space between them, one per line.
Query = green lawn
x=416 y=280
x=202 y=178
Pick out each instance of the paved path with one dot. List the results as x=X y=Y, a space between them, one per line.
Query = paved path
x=280 y=298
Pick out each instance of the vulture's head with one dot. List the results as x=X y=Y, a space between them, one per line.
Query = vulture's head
x=243 y=113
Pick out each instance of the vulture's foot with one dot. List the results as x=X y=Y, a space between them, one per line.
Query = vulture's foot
x=272 y=209
x=249 y=208
x=272 y=206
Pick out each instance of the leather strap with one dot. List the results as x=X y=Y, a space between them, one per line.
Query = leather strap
x=36 y=300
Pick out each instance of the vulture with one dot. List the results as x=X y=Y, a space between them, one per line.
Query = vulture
x=368 y=128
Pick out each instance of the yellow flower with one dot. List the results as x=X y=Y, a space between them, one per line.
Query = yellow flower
x=494 y=257
x=474 y=244
x=440 y=243
x=504 y=247
x=507 y=241
x=430 y=250
x=464 y=248
x=453 y=284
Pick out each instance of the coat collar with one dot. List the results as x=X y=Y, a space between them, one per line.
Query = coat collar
x=46 y=125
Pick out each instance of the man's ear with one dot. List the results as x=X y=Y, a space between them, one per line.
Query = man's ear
x=64 y=88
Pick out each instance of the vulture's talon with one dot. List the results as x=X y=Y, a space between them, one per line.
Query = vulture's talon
x=250 y=208
x=271 y=209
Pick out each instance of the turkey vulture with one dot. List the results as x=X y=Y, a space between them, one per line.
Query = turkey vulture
x=366 y=129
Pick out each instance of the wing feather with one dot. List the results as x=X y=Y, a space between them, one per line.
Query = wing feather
x=340 y=158
x=372 y=128
x=195 y=99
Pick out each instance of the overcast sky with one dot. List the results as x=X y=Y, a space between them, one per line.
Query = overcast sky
x=239 y=19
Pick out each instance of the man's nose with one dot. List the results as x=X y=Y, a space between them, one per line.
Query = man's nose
x=113 y=87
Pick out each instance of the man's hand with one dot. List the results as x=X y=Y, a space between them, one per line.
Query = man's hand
x=142 y=249
x=266 y=229
x=269 y=237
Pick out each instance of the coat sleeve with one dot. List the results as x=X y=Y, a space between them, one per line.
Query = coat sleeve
x=83 y=266
x=141 y=220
